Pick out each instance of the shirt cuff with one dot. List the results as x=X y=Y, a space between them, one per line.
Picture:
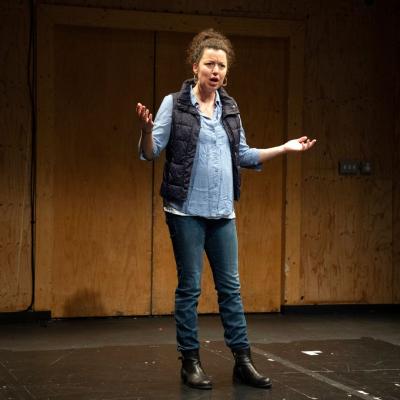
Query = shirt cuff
x=253 y=162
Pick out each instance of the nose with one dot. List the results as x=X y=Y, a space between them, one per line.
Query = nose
x=215 y=70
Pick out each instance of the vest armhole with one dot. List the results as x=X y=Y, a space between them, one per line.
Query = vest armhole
x=174 y=99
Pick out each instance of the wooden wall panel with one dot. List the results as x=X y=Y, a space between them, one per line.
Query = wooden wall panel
x=260 y=210
x=15 y=159
x=99 y=248
x=396 y=180
x=346 y=222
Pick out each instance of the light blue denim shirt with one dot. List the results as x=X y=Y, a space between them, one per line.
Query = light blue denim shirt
x=210 y=192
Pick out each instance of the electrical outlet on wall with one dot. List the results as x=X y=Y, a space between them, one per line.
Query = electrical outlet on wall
x=349 y=167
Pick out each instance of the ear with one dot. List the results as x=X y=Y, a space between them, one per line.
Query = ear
x=195 y=68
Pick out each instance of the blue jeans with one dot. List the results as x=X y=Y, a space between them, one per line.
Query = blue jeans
x=191 y=236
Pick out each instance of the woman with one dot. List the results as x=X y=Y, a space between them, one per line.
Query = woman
x=200 y=128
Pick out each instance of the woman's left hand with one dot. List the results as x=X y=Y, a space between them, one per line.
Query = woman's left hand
x=300 y=144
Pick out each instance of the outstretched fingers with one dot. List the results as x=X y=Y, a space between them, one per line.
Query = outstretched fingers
x=310 y=143
x=145 y=116
x=302 y=139
x=300 y=144
x=306 y=143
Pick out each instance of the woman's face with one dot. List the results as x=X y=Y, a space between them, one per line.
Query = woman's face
x=211 y=69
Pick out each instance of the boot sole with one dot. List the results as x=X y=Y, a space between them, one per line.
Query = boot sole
x=239 y=381
x=201 y=387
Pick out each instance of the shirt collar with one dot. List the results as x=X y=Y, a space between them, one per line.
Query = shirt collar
x=193 y=98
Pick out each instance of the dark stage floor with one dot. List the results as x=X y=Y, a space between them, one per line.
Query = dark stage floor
x=330 y=356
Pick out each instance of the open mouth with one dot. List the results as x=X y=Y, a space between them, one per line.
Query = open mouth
x=215 y=80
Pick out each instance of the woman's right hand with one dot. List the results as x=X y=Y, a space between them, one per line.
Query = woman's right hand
x=145 y=118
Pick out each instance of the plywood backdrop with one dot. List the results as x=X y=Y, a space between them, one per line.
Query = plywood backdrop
x=348 y=225
x=94 y=257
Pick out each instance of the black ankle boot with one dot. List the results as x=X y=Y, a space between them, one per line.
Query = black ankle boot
x=192 y=373
x=245 y=372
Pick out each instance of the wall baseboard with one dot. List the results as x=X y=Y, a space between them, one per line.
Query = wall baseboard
x=340 y=308
x=25 y=316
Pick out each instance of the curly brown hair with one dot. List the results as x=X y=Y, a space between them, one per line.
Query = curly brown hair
x=209 y=39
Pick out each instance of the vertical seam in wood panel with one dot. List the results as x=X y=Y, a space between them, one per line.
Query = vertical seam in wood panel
x=283 y=230
x=153 y=203
x=44 y=161
x=396 y=101
x=32 y=83
x=301 y=126
x=284 y=177
x=293 y=187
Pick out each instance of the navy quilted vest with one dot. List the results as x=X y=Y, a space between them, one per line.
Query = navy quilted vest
x=181 y=148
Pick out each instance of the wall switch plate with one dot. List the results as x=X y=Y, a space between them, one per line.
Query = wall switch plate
x=349 y=167
x=366 y=168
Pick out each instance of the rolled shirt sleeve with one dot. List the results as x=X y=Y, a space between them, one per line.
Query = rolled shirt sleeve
x=161 y=128
x=249 y=157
